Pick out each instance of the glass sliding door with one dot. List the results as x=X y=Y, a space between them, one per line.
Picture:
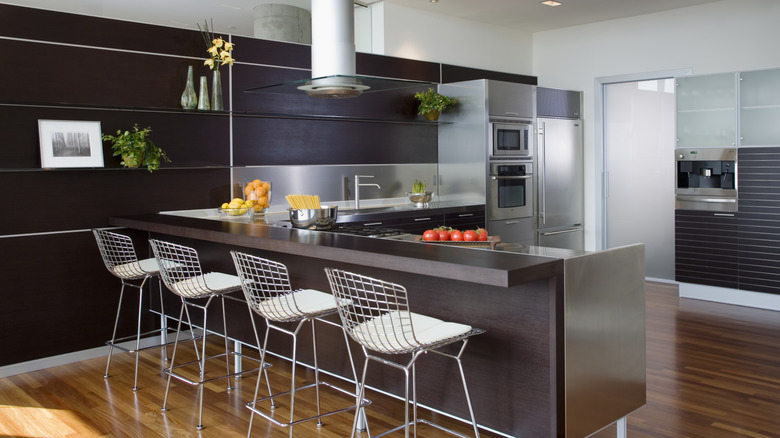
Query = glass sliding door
x=639 y=143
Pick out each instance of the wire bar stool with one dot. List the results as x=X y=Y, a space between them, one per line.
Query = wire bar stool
x=268 y=292
x=181 y=272
x=375 y=313
x=120 y=259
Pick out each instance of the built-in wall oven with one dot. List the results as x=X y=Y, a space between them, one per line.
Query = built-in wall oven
x=706 y=179
x=510 y=137
x=510 y=193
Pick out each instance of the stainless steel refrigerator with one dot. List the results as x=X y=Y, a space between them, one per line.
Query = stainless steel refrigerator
x=560 y=174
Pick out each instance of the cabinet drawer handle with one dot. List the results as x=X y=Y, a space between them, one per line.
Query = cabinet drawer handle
x=420 y=219
x=466 y=214
x=372 y=223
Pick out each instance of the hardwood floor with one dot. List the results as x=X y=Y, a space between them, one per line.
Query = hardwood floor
x=713 y=371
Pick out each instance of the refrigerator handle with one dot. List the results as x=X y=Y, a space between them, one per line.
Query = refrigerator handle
x=543 y=179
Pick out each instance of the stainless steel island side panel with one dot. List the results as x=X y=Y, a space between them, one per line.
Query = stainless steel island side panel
x=605 y=337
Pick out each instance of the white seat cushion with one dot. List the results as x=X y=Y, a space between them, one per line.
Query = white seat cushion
x=137 y=269
x=402 y=331
x=309 y=302
x=203 y=285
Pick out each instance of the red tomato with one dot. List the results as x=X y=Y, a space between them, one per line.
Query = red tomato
x=482 y=234
x=456 y=236
x=470 y=236
x=430 y=235
x=444 y=234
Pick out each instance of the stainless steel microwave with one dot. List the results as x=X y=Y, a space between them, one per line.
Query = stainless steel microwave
x=510 y=138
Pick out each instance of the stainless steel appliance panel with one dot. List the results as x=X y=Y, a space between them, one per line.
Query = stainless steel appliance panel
x=569 y=238
x=510 y=99
x=513 y=230
x=560 y=173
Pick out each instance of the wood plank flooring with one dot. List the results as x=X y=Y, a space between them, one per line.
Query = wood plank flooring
x=713 y=371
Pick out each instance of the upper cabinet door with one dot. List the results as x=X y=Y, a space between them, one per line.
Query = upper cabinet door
x=759 y=109
x=707 y=111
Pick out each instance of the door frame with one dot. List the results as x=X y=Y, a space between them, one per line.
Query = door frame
x=601 y=173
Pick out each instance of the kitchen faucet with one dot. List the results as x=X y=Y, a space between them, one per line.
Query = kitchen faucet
x=357 y=188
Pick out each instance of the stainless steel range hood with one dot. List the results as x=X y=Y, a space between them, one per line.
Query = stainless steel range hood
x=333 y=58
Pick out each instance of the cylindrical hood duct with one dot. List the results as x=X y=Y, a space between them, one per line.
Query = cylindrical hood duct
x=333 y=49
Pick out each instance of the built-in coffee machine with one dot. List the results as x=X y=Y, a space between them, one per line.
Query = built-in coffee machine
x=706 y=179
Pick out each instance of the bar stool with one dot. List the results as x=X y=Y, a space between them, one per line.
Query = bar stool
x=120 y=259
x=376 y=315
x=181 y=272
x=268 y=293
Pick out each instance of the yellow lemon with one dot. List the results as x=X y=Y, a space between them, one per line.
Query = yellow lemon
x=224 y=205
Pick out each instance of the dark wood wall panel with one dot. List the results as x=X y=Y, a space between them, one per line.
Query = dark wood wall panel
x=454 y=73
x=63 y=200
x=257 y=51
x=44 y=25
x=189 y=139
x=286 y=141
x=60 y=298
x=50 y=73
x=370 y=64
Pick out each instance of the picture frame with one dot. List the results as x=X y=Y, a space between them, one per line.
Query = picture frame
x=70 y=143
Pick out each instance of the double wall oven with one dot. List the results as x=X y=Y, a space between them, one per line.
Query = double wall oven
x=510 y=185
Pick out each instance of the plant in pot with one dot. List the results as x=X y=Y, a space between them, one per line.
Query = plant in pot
x=136 y=148
x=433 y=103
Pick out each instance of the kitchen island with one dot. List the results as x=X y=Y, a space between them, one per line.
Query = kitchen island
x=564 y=351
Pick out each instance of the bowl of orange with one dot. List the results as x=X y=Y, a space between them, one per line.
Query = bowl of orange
x=259 y=192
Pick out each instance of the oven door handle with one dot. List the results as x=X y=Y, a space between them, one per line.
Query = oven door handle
x=511 y=177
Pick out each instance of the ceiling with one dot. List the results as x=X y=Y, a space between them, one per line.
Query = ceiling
x=235 y=16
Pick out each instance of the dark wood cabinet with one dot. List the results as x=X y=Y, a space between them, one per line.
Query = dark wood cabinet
x=706 y=248
x=736 y=250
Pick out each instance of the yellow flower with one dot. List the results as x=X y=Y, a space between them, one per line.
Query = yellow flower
x=219 y=51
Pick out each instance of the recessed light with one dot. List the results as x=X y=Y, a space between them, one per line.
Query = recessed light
x=551 y=3
x=434 y=1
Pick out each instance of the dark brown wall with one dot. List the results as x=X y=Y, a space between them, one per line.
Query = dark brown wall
x=57 y=295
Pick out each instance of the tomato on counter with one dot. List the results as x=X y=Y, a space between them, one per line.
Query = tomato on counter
x=430 y=235
x=469 y=236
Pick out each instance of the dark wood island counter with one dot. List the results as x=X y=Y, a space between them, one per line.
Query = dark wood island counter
x=564 y=350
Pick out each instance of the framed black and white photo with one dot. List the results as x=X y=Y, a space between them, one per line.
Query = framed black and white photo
x=70 y=143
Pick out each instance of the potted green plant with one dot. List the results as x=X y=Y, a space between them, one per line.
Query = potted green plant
x=433 y=103
x=136 y=148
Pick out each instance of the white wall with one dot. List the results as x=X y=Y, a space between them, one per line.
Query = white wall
x=414 y=34
x=730 y=35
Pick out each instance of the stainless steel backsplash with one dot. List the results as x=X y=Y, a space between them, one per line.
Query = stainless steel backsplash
x=337 y=182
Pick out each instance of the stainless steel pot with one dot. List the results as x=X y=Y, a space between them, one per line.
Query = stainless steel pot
x=313 y=218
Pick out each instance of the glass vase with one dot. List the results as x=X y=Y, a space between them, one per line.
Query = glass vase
x=203 y=97
x=216 y=92
x=189 y=99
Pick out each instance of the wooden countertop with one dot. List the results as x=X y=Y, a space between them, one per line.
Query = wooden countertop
x=473 y=265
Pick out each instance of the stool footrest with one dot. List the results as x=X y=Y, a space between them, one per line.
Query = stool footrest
x=252 y=405
x=172 y=373
x=116 y=342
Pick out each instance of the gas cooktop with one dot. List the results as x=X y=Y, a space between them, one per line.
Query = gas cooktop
x=353 y=229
